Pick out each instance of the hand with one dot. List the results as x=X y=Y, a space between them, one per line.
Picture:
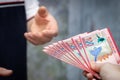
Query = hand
x=5 y=72
x=107 y=71
x=42 y=28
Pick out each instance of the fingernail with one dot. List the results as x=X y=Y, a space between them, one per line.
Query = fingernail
x=94 y=79
x=43 y=11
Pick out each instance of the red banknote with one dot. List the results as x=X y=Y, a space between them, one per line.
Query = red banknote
x=83 y=49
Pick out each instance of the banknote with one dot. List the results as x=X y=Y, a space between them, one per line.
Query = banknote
x=83 y=49
x=98 y=47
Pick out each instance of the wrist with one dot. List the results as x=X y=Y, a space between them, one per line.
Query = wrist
x=29 y=23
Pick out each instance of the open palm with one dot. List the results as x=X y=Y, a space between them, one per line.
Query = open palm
x=42 y=28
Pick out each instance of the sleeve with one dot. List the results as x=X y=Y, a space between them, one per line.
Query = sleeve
x=31 y=7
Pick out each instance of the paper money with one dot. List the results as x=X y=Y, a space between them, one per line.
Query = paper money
x=83 y=49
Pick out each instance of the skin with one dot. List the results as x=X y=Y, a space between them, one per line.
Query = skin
x=5 y=72
x=107 y=71
x=41 y=29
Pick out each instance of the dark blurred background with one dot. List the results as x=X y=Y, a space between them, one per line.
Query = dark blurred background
x=74 y=17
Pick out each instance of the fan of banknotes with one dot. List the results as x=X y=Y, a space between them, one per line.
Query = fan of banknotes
x=83 y=49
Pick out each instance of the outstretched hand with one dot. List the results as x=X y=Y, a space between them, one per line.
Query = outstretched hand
x=42 y=28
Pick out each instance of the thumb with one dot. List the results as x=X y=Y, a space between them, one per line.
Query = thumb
x=41 y=16
x=107 y=71
x=43 y=11
x=96 y=66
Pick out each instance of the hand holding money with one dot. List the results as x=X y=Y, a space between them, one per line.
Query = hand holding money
x=84 y=49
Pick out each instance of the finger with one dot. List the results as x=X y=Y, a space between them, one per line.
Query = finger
x=29 y=35
x=43 y=38
x=85 y=73
x=96 y=66
x=41 y=15
x=37 y=38
x=95 y=79
x=34 y=36
x=5 y=72
x=30 y=38
x=50 y=33
x=88 y=75
x=43 y=11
